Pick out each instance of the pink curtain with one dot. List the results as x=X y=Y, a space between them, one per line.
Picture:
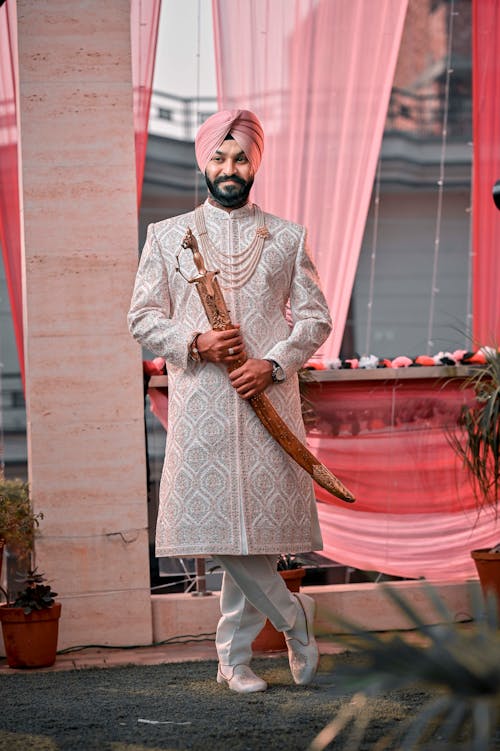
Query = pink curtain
x=10 y=222
x=319 y=76
x=486 y=170
x=437 y=547
x=145 y=16
x=144 y=29
x=415 y=513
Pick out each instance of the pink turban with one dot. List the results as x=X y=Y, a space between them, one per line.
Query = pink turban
x=242 y=125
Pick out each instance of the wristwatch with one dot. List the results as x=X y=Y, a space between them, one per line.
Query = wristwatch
x=193 y=349
x=278 y=374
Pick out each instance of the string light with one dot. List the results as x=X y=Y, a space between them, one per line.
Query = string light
x=2 y=437
x=197 y=105
x=440 y=183
x=468 y=325
x=376 y=214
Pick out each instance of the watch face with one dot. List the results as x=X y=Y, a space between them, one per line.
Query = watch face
x=278 y=373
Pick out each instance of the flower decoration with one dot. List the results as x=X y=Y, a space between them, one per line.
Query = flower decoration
x=367 y=362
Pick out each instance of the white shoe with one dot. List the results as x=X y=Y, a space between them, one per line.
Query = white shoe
x=303 y=654
x=240 y=678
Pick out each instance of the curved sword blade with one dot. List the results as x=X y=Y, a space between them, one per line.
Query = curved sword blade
x=218 y=316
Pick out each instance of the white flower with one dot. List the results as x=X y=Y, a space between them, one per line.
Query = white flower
x=368 y=362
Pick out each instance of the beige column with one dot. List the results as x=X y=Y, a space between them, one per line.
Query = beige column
x=84 y=383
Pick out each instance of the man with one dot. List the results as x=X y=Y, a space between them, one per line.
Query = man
x=228 y=490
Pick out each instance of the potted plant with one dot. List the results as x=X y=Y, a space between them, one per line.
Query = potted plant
x=291 y=569
x=476 y=440
x=30 y=617
x=30 y=623
x=17 y=520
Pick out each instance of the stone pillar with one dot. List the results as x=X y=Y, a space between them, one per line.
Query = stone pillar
x=83 y=371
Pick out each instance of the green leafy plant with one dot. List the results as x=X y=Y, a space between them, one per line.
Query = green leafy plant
x=287 y=562
x=476 y=438
x=35 y=596
x=461 y=666
x=18 y=522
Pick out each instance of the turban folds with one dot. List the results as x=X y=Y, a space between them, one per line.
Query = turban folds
x=242 y=125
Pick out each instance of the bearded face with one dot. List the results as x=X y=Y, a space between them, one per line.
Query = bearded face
x=229 y=175
x=230 y=191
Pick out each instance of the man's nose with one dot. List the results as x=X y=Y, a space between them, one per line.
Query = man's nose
x=229 y=167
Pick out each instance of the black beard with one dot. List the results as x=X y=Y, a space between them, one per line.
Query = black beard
x=231 y=196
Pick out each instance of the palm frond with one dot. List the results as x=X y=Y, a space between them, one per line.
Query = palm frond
x=462 y=663
x=476 y=437
x=425 y=719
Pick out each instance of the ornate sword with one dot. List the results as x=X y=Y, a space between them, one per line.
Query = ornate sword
x=218 y=316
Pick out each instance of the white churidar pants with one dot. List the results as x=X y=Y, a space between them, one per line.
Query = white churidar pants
x=252 y=590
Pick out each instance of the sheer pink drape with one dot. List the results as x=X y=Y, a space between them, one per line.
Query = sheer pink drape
x=415 y=513
x=144 y=17
x=10 y=221
x=435 y=547
x=486 y=130
x=144 y=30
x=319 y=76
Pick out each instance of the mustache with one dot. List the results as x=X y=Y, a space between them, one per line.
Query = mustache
x=226 y=178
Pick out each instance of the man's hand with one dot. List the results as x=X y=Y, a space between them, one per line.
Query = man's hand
x=215 y=346
x=252 y=378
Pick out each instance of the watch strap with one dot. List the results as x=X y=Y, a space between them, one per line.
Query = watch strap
x=194 y=353
x=276 y=367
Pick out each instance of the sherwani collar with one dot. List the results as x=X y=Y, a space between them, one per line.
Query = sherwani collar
x=244 y=211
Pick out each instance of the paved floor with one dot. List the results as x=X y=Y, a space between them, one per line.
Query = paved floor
x=165 y=698
x=178 y=706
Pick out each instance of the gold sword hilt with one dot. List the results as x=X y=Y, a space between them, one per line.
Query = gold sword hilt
x=207 y=285
x=190 y=242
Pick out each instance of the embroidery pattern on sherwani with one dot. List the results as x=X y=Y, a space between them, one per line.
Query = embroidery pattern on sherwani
x=227 y=487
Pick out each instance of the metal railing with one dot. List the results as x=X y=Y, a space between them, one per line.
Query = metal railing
x=418 y=115
x=178 y=117
x=421 y=115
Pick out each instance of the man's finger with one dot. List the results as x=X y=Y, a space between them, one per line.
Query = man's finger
x=240 y=376
x=247 y=393
x=229 y=334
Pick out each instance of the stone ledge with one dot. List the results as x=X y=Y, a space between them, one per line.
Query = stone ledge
x=181 y=615
x=365 y=604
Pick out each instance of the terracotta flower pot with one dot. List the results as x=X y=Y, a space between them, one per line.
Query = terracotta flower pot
x=270 y=640
x=30 y=640
x=488 y=569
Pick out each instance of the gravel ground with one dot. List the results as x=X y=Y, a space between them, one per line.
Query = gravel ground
x=176 y=707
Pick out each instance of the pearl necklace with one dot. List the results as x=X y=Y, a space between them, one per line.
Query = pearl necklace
x=235 y=268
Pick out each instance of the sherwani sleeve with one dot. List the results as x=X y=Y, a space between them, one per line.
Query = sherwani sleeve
x=311 y=321
x=150 y=316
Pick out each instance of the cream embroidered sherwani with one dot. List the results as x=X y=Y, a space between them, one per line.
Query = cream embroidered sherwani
x=227 y=487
